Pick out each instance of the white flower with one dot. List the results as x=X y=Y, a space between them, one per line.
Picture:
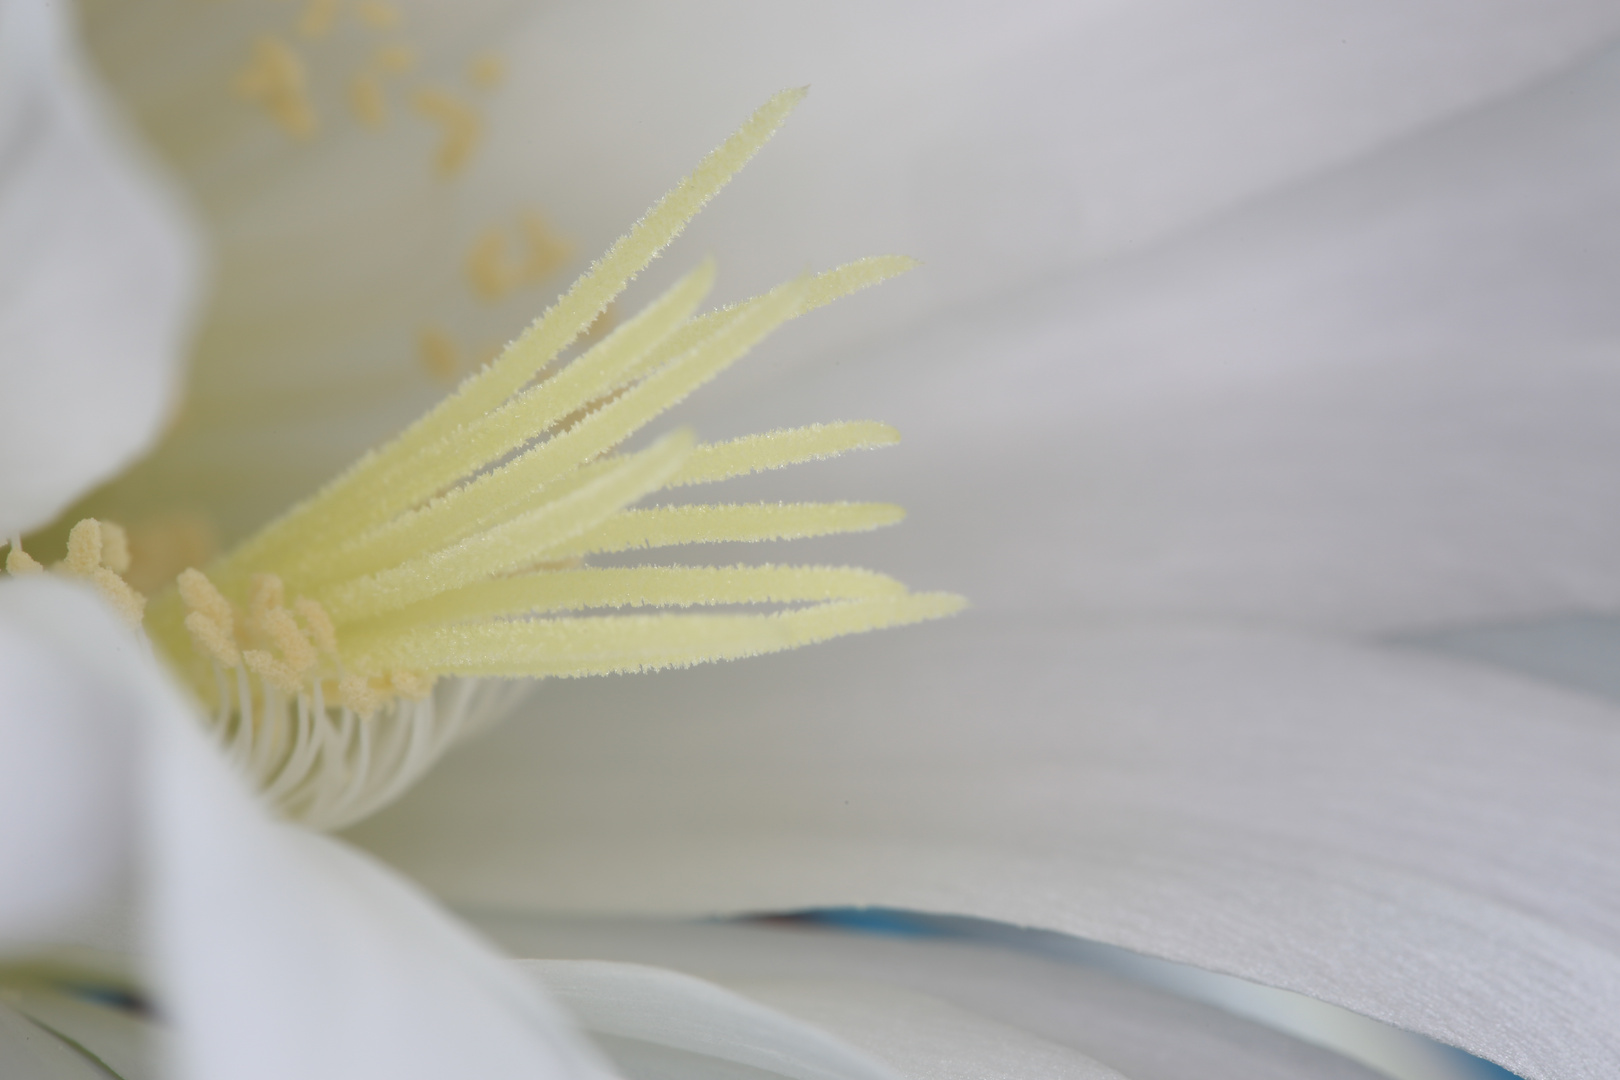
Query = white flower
x=1221 y=497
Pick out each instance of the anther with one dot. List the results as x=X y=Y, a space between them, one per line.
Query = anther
x=461 y=126
x=19 y=562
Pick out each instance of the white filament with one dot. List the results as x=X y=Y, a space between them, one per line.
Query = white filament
x=326 y=767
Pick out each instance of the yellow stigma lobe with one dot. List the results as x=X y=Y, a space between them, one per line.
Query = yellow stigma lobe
x=461 y=548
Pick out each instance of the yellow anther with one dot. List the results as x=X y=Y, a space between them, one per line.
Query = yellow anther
x=317 y=18
x=19 y=562
x=491 y=273
x=357 y=693
x=200 y=597
x=378 y=15
x=410 y=684
x=366 y=99
x=114 y=548
x=83 y=548
x=487 y=71
x=439 y=354
x=213 y=640
x=461 y=126
x=129 y=604
x=282 y=630
x=319 y=624
x=395 y=59
x=274 y=79
x=266 y=593
x=278 y=674
x=545 y=251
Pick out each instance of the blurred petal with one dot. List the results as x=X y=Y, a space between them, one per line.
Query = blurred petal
x=65 y=788
x=264 y=930
x=1426 y=843
x=97 y=269
x=257 y=929
x=923 y=1038
x=1143 y=1033
x=1003 y=145
x=640 y=1014
x=29 y=1052
x=1386 y=400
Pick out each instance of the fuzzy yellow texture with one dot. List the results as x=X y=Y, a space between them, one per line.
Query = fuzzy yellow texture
x=434 y=554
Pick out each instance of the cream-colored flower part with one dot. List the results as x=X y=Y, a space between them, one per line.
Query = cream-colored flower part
x=460 y=548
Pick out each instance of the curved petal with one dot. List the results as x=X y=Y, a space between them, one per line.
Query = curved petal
x=254 y=930
x=1001 y=145
x=65 y=789
x=1381 y=402
x=1427 y=843
x=651 y=1007
x=97 y=268
x=1142 y=1032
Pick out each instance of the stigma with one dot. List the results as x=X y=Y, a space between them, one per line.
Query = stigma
x=341 y=649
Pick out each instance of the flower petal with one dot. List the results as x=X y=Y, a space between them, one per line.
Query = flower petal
x=1142 y=1032
x=632 y=1008
x=1384 y=401
x=65 y=790
x=97 y=268
x=29 y=1052
x=1427 y=843
x=256 y=931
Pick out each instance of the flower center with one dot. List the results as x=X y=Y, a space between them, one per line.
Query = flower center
x=342 y=648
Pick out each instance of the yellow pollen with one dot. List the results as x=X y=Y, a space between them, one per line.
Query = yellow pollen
x=114 y=548
x=212 y=640
x=488 y=268
x=378 y=15
x=317 y=18
x=356 y=692
x=19 y=562
x=321 y=630
x=97 y=552
x=460 y=125
x=487 y=71
x=162 y=546
x=412 y=685
x=274 y=79
x=394 y=59
x=439 y=354
x=83 y=548
x=366 y=99
x=494 y=274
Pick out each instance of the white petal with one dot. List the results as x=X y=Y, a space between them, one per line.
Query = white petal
x=283 y=953
x=998 y=143
x=275 y=952
x=29 y=1052
x=923 y=1038
x=1387 y=400
x=65 y=790
x=96 y=278
x=127 y=1045
x=652 y=1007
x=1140 y=1031
x=1426 y=843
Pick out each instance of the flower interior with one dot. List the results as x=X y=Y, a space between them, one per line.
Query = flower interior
x=344 y=646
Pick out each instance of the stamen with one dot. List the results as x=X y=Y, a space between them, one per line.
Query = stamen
x=487 y=71
x=377 y=14
x=274 y=79
x=461 y=126
x=19 y=562
x=366 y=99
x=439 y=354
x=317 y=18
x=394 y=59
